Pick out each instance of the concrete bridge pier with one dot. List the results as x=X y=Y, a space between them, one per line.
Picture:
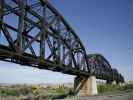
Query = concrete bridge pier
x=84 y=86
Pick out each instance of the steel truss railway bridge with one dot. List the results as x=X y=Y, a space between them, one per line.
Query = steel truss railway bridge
x=34 y=33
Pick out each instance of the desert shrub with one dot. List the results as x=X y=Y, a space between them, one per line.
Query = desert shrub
x=60 y=89
x=129 y=87
x=36 y=89
x=8 y=92
x=24 y=90
x=110 y=88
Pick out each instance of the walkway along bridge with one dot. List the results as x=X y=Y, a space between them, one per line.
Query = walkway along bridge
x=34 y=33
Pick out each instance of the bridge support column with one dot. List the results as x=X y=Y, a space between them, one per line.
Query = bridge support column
x=85 y=86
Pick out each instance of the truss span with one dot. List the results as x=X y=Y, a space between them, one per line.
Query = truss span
x=34 y=33
x=101 y=68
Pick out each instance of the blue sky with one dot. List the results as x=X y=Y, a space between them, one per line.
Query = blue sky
x=104 y=26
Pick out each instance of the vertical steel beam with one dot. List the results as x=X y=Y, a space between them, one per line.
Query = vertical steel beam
x=70 y=44
x=78 y=60
x=63 y=54
x=58 y=41
x=1 y=12
x=43 y=34
x=24 y=38
x=54 y=49
x=20 y=40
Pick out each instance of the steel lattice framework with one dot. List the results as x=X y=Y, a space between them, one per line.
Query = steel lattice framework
x=100 y=67
x=34 y=33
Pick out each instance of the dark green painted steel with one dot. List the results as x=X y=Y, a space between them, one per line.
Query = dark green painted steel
x=42 y=38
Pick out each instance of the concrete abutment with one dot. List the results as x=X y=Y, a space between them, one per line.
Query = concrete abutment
x=84 y=86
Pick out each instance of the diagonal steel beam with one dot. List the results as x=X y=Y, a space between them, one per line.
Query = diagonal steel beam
x=30 y=47
x=9 y=38
x=33 y=40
